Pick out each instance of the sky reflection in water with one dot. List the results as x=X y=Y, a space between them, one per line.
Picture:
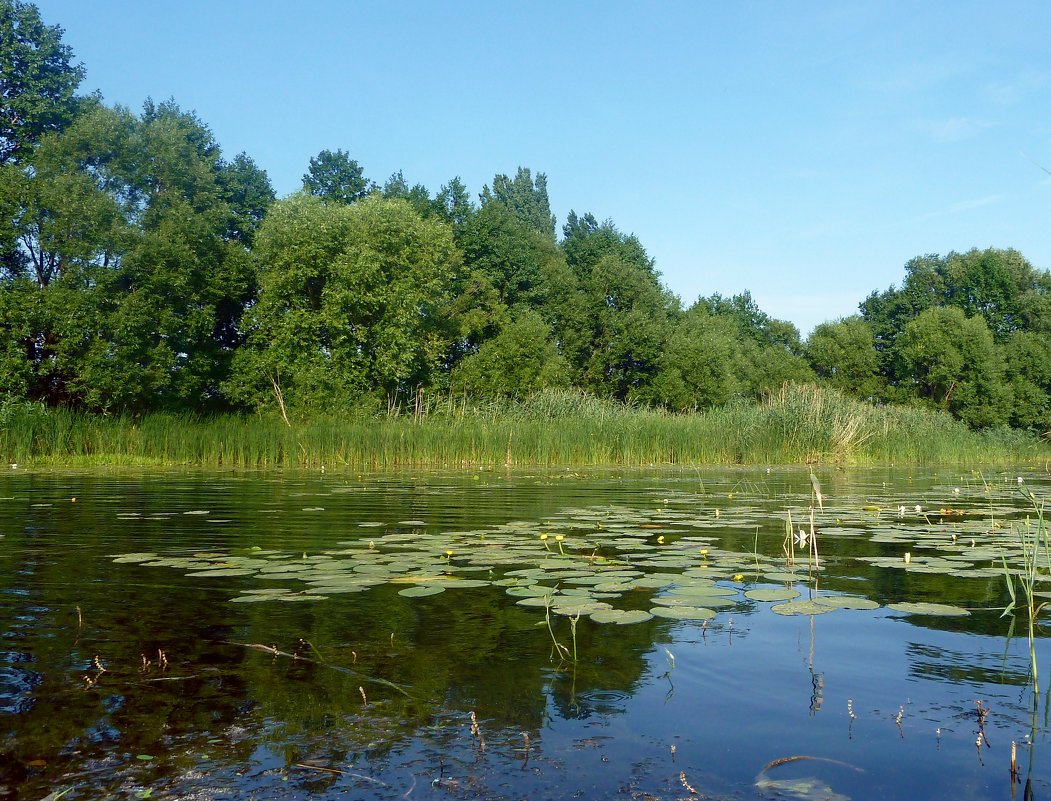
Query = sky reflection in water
x=179 y=705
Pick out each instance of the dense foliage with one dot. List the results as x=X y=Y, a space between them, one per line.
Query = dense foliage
x=142 y=270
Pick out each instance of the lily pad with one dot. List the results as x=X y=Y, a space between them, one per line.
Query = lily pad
x=942 y=610
x=258 y=597
x=583 y=607
x=222 y=571
x=771 y=594
x=800 y=608
x=420 y=592
x=713 y=601
x=541 y=601
x=846 y=602
x=699 y=588
x=621 y=616
x=683 y=612
x=530 y=591
x=130 y=558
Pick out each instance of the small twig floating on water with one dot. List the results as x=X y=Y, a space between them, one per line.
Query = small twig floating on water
x=338 y=772
x=272 y=649
x=686 y=784
x=476 y=731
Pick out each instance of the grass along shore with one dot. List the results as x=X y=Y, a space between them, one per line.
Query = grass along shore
x=798 y=424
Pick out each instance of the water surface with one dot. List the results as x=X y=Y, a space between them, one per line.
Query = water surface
x=151 y=677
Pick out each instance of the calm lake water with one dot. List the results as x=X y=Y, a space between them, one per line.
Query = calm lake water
x=212 y=635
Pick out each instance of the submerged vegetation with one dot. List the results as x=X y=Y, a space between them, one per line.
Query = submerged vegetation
x=798 y=424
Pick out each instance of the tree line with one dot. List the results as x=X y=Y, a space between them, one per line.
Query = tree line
x=141 y=269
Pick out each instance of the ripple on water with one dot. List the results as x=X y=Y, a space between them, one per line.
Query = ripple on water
x=16 y=685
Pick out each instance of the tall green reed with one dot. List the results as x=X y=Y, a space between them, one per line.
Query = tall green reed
x=796 y=425
x=1035 y=551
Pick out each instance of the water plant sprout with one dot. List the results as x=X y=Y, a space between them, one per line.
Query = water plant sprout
x=1034 y=551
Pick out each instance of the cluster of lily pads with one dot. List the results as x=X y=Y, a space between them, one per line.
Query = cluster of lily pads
x=611 y=564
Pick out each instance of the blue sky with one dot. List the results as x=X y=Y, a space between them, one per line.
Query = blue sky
x=803 y=151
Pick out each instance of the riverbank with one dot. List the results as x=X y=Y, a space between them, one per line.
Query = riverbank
x=798 y=425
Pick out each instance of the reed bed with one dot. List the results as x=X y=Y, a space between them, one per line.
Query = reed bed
x=796 y=425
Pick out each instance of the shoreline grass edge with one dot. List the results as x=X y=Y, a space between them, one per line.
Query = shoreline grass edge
x=799 y=424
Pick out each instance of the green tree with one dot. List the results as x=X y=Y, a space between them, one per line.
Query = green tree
x=525 y=199
x=954 y=365
x=77 y=201
x=510 y=255
x=769 y=351
x=12 y=259
x=843 y=355
x=37 y=96
x=337 y=177
x=701 y=365
x=628 y=319
x=753 y=322
x=1027 y=359
x=622 y=323
x=247 y=189
x=522 y=359
x=37 y=79
x=767 y=368
x=585 y=241
x=349 y=304
x=136 y=233
x=453 y=204
x=508 y=265
x=417 y=196
x=998 y=285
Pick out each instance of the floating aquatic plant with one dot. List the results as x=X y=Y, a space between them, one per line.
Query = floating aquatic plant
x=940 y=610
x=673 y=553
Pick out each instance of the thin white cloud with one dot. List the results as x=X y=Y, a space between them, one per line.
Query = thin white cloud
x=801 y=173
x=961 y=206
x=918 y=77
x=954 y=129
x=975 y=203
x=821 y=229
x=1014 y=91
